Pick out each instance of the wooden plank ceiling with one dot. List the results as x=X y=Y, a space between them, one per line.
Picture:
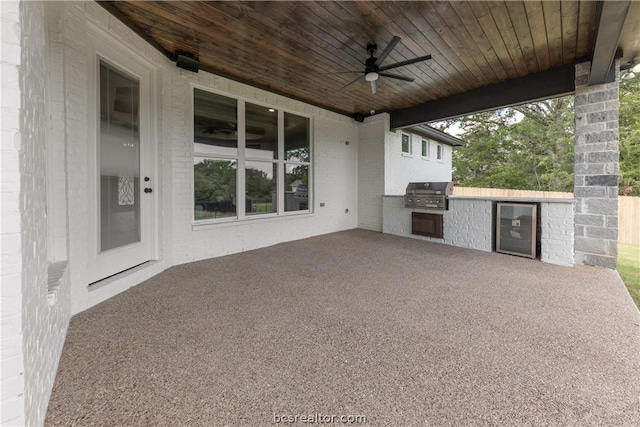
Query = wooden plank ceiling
x=305 y=49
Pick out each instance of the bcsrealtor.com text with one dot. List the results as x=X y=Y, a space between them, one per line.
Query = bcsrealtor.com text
x=317 y=418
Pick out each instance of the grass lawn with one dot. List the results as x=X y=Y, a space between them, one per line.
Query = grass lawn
x=629 y=269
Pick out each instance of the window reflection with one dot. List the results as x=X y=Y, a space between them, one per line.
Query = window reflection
x=214 y=188
x=262 y=188
x=296 y=190
x=296 y=138
x=215 y=124
x=261 y=132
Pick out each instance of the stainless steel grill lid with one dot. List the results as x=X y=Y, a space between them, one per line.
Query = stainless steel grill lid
x=432 y=195
x=429 y=188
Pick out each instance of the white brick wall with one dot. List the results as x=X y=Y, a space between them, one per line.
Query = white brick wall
x=11 y=262
x=557 y=233
x=468 y=224
x=401 y=169
x=371 y=178
x=32 y=330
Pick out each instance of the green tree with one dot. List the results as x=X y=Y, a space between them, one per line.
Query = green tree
x=630 y=137
x=528 y=147
x=214 y=180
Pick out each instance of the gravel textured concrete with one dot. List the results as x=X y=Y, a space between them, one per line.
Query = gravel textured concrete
x=400 y=331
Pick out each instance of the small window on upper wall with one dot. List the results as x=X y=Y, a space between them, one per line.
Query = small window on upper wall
x=425 y=148
x=406 y=143
x=440 y=152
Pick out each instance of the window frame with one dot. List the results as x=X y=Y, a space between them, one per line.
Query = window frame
x=409 y=145
x=440 y=152
x=241 y=158
x=425 y=142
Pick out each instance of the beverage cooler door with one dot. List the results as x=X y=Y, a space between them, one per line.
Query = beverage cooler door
x=516 y=225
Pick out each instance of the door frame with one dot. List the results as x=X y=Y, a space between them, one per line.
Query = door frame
x=102 y=46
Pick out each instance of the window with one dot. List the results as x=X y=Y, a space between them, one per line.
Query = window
x=297 y=162
x=425 y=148
x=406 y=143
x=440 y=152
x=266 y=167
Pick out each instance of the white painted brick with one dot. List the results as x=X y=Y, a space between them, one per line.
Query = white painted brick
x=12 y=412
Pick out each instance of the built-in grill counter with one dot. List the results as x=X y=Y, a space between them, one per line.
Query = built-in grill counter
x=432 y=196
x=473 y=221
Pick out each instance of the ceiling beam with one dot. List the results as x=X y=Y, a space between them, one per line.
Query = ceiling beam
x=555 y=82
x=612 y=17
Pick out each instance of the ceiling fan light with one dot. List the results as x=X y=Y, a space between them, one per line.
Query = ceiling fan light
x=371 y=77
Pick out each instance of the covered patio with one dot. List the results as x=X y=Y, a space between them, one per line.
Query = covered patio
x=194 y=201
x=397 y=330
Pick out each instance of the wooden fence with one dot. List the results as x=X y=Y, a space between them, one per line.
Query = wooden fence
x=628 y=207
x=629 y=220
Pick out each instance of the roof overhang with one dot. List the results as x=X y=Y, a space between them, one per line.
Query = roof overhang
x=610 y=25
x=556 y=82
x=435 y=135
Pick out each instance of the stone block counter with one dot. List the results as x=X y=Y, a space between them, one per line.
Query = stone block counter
x=469 y=223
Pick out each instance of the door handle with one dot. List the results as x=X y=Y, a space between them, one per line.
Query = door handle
x=148 y=190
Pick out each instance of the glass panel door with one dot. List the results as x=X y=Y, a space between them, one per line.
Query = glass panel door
x=119 y=159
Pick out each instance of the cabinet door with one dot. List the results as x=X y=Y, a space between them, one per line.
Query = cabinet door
x=425 y=224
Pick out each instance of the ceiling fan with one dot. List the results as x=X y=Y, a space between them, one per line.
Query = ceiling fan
x=373 y=68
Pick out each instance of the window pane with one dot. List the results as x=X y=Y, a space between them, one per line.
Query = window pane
x=439 y=153
x=119 y=145
x=425 y=148
x=262 y=188
x=296 y=138
x=405 y=143
x=214 y=188
x=215 y=124
x=296 y=188
x=262 y=132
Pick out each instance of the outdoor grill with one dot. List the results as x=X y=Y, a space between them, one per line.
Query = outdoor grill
x=432 y=195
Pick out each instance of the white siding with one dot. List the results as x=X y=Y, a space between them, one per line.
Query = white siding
x=401 y=169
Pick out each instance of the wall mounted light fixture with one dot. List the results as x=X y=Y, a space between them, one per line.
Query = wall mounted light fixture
x=187 y=62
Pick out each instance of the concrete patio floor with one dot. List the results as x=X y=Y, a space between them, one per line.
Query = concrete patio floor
x=400 y=331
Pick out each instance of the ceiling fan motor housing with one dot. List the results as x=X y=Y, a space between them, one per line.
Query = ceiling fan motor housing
x=371 y=48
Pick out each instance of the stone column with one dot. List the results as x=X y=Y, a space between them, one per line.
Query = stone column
x=596 y=170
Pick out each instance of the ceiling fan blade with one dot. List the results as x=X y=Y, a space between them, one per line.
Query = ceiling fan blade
x=397 y=76
x=341 y=72
x=351 y=82
x=407 y=62
x=387 y=50
x=374 y=87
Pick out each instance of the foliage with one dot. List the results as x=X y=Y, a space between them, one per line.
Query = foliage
x=259 y=186
x=630 y=137
x=215 y=180
x=530 y=147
